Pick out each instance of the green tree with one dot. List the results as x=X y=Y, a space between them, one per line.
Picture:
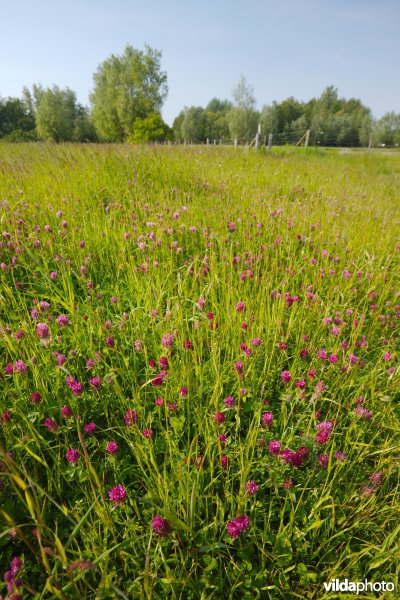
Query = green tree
x=193 y=127
x=55 y=113
x=387 y=130
x=17 y=122
x=127 y=87
x=150 y=129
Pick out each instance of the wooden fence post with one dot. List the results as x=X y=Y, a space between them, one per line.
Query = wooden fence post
x=269 y=141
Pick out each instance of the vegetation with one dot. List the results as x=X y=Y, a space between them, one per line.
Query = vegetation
x=199 y=366
x=128 y=94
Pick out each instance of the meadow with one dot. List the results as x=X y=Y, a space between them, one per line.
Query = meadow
x=199 y=372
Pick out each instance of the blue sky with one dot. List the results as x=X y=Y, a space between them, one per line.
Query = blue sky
x=283 y=47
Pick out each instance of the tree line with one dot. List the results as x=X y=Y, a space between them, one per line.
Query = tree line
x=128 y=94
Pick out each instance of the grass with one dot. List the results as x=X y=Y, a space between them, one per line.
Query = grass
x=185 y=276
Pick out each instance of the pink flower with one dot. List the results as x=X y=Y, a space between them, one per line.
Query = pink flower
x=90 y=428
x=110 y=342
x=267 y=419
x=183 y=392
x=20 y=366
x=286 y=376
x=375 y=479
x=62 y=320
x=229 y=402
x=117 y=494
x=251 y=487
x=274 y=447
x=240 y=306
x=237 y=526
x=147 y=433
x=239 y=367
x=130 y=417
x=112 y=448
x=42 y=331
x=50 y=424
x=219 y=418
x=323 y=460
x=95 y=382
x=161 y=526
x=72 y=456
x=224 y=461
x=66 y=412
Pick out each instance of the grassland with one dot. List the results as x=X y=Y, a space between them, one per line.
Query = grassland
x=199 y=372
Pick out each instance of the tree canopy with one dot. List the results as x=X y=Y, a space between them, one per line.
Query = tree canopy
x=126 y=88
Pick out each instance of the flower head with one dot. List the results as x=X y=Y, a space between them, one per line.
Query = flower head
x=117 y=494
x=161 y=526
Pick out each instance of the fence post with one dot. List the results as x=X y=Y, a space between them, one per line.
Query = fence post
x=269 y=141
x=208 y=142
x=307 y=138
x=235 y=142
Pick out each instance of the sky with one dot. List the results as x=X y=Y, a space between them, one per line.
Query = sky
x=282 y=47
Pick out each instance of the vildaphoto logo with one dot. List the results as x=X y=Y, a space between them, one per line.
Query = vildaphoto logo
x=344 y=585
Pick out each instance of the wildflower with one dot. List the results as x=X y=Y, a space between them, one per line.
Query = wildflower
x=267 y=419
x=240 y=306
x=333 y=359
x=117 y=494
x=286 y=376
x=387 y=356
x=366 y=491
x=161 y=526
x=42 y=331
x=61 y=359
x=322 y=354
x=375 y=479
x=110 y=342
x=222 y=438
x=229 y=402
x=274 y=446
x=112 y=448
x=301 y=384
x=237 y=526
x=168 y=340
x=76 y=388
x=147 y=433
x=62 y=320
x=35 y=397
x=251 y=487
x=95 y=382
x=19 y=335
x=90 y=428
x=187 y=345
x=224 y=461
x=66 y=412
x=219 y=418
x=340 y=456
x=256 y=342
x=20 y=366
x=239 y=367
x=323 y=460
x=138 y=345
x=288 y=483
x=72 y=456
x=50 y=424
x=183 y=392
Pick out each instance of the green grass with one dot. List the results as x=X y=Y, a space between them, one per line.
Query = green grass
x=316 y=238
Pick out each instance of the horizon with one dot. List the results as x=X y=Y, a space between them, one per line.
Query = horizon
x=290 y=50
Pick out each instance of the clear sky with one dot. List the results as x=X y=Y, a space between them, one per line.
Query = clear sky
x=283 y=47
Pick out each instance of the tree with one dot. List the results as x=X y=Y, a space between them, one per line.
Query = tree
x=243 y=94
x=387 y=130
x=16 y=120
x=127 y=87
x=194 y=124
x=55 y=113
x=150 y=129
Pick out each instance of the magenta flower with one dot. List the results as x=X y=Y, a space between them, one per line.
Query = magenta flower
x=161 y=526
x=66 y=412
x=63 y=320
x=224 y=461
x=219 y=418
x=183 y=392
x=236 y=526
x=117 y=494
x=240 y=306
x=90 y=428
x=323 y=460
x=112 y=448
x=95 y=382
x=130 y=417
x=267 y=419
x=50 y=424
x=229 y=402
x=110 y=342
x=375 y=479
x=286 y=376
x=72 y=456
x=251 y=487
x=42 y=331
x=274 y=446
x=239 y=367
x=35 y=397
x=148 y=433
x=20 y=366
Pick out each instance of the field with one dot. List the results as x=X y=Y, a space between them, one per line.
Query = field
x=199 y=372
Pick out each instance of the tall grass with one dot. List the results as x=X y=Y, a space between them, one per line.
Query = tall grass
x=164 y=281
